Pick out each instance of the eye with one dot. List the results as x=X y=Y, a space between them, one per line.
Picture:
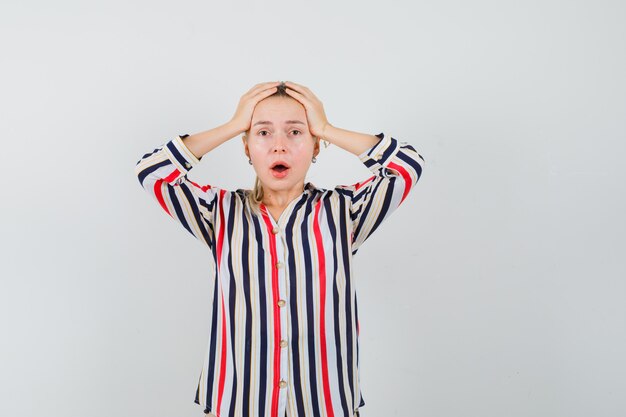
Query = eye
x=296 y=130
x=261 y=131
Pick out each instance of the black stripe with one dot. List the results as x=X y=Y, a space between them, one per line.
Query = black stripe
x=196 y=213
x=356 y=316
x=247 y=276
x=209 y=204
x=181 y=160
x=363 y=191
x=344 y=235
x=355 y=215
x=232 y=297
x=362 y=194
x=141 y=176
x=263 y=317
x=410 y=147
x=178 y=209
x=373 y=188
x=386 y=205
x=390 y=150
x=309 y=296
x=337 y=336
x=411 y=162
x=379 y=136
x=149 y=154
x=370 y=162
x=293 y=305
x=212 y=343
x=344 y=191
x=197 y=397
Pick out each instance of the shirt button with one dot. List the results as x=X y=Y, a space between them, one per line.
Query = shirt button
x=281 y=303
x=188 y=165
x=279 y=264
x=283 y=343
x=282 y=383
x=275 y=230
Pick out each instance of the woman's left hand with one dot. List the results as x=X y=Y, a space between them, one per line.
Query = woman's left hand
x=314 y=108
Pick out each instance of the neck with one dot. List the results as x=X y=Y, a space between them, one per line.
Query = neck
x=281 y=198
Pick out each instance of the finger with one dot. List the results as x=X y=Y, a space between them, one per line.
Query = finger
x=291 y=83
x=298 y=87
x=261 y=86
x=301 y=98
x=302 y=90
x=266 y=84
x=268 y=88
x=264 y=93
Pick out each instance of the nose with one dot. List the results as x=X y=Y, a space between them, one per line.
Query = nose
x=279 y=144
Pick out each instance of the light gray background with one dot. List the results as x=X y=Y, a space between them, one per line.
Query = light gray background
x=497 y=289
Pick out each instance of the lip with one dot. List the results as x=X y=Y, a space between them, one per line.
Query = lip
x=279 y=162
x=282 y=174
x=277 y=174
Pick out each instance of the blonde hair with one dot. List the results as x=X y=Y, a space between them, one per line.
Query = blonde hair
x=255 y=196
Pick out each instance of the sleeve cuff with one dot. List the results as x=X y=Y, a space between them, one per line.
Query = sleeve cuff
x=180 y=154
x=381 y=154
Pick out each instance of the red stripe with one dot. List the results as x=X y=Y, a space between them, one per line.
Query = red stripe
x=202 y=187
x=220 y=239
x=361 y=184
x=220 y=391
x=275 y=294
x=172 y=176
x=159 y=196
x=220 y=242
x=405 y=175
x=322 y=279
x=158 y=190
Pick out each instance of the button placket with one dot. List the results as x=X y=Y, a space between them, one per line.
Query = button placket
x=283 y=304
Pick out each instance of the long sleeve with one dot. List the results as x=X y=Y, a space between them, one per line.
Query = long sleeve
x=163 y=175
x=396 y=167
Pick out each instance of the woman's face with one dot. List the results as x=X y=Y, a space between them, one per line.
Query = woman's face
x=279 y=143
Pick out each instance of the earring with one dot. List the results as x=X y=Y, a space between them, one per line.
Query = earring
x=313 y=160
x=250 y=161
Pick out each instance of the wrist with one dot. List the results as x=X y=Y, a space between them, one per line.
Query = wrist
x=235 y=127
x=326 y=131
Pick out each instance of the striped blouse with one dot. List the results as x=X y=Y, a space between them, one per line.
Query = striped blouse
x=284 y=327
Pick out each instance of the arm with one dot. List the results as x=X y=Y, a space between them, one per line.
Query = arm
x=163 y=172
x=204 y=142
x=163 y=175
x=353 y=142
x=396 y=167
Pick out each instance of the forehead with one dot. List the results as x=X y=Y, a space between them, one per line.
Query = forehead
x=278 y=110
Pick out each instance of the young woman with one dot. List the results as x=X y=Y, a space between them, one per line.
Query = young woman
x=284 y=329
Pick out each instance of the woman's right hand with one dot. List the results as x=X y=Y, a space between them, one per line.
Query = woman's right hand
x=243 y=115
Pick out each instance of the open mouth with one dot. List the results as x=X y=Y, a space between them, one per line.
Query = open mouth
x=279 y=169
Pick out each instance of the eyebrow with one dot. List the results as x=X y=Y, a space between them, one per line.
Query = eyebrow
x=287 y=122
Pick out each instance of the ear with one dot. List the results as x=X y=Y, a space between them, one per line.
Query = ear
x=316 y=147
x=245 y=145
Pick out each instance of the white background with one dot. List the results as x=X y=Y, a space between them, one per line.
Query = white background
x=497 y=289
